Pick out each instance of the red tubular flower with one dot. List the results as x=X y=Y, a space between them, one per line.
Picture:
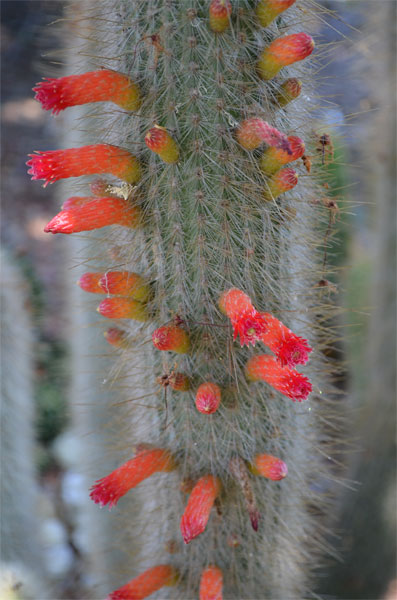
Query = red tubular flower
x=125 y=283
x=284 y=51
x=146 y=583
x=111 y=488
x=290 y=89
x=273 y=159
x=87 y=160
x=211 y=584
x=159 y=140
x=123 y=308
x=116 y=337
x=89 y=282
x=289 y=348
x=75 y=201
x=94 y=213
x=269 y=466
x=247 y=322
x=251 y=133
x=96 y=86
x=208 y=398
x=268 y=10
x=219 y=14
x=197 y=512
x=280 y=182
x=287 y=381
x=171 y=337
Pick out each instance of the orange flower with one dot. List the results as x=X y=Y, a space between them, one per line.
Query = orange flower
x=280 y=182
x=171 y=337
x=284 y=51
x=267 y=10
x=273 y=159
x=287 y=381
x=146 y=583
x=94 y=213
x=219 y=13
x=159 y=140
x=123 y=308
x=289 y=348
x=208 y=398
x=96 y=86
x=289 y=90
x=253 y=132
x=87 y=160
x=116 y=337
x=125 y=283
x=111 y=488
x=269 y=466
x=211 y=584
x=89 y=282
x=197 y=512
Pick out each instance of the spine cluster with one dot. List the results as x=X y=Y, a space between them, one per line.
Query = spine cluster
x=203 y=176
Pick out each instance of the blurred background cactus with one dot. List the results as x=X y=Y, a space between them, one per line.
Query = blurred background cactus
x=106 y=553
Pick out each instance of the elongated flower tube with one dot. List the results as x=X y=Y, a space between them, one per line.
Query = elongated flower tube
x=146 y=583
x=268 y=10
x=219 y=14
x=52 y=165
x=284 y=51
x=282 y=181
x=197 y=512
x=208 y=398
x=89 y=282
x=211 y=584
x=111 y=488
x=171 y=337
x=125 y=283
x=287 y=381
x=123 y=308
x=247 y=322
x=269 y=466
x=253 y=132
x=289 y=90
x=95 y=213
x=159 y=141
x=116 y=337
x=95 y=86
x=273 y=159
x=289 y=348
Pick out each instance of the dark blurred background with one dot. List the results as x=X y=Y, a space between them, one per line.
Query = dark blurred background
x=357 y=76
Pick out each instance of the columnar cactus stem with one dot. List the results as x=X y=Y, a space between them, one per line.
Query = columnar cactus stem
x=209 y=219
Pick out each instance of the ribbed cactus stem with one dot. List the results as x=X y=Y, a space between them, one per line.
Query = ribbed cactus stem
x=212 y=222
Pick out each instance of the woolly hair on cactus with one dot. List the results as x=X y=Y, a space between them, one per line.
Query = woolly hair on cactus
x=206 y=212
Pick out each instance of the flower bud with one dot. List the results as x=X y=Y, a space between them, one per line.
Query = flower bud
x=284 y=51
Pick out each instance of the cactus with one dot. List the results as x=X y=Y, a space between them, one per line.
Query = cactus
x=218 y=239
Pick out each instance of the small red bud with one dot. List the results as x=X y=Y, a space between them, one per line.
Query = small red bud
x=197 y=512
x=146 y=583
x=171 y=337
x=123 y=308
x=211 y=584
x=219 y=14
x=159 y=141
x=269 y=466
x=284 y=51
x=208 y=398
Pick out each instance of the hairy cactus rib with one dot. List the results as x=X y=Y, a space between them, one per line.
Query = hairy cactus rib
x=224 y=232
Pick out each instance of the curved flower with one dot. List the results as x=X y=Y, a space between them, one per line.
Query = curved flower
x=94 y=213
x=287 y=381
x=197 y=512
x=146 y=583
x=52 y=165
x=289 y=348
x=284 y=51
x=111 y=488
x=103 y=85
x=247 y=322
